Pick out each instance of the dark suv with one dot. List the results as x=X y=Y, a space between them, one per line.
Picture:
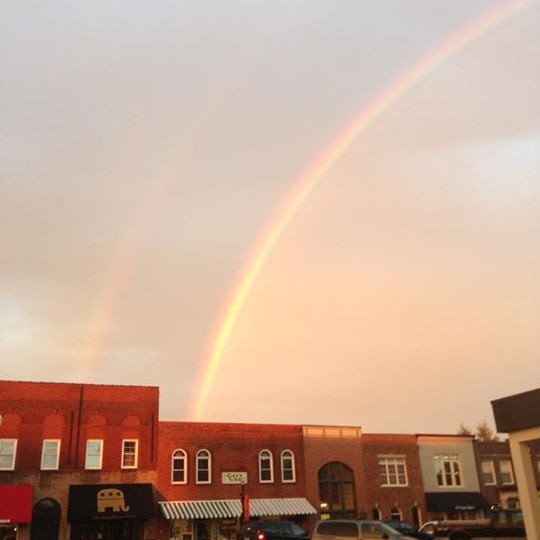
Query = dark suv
x=271 y=530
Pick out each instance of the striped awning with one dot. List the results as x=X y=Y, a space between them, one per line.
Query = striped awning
x=232 y=508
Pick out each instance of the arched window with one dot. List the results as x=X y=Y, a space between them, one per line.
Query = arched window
x=288 y=469
x=179 y=467
x=376 y=514
x=204 y=467
x=337 y=490
x=396 y=514
x=266 y=467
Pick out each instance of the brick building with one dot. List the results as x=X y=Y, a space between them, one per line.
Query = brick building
x=77 y=460
x=393 y=477
x=207 y=470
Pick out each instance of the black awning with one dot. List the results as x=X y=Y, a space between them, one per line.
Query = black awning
x=464 y=500
x=111 y=501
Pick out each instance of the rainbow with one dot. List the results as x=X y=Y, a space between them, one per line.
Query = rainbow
x=312 y=176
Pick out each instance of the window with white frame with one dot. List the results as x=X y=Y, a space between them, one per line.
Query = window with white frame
x=8 y=451
x=488 y=472
x=396 y=513
x=204 y=467
x=179 y=467
x=448 y=470
x=392 y=471
x=50 y=455
x=266 y=467
x=288 y=469
x=94 y=454
x=130 y=453
x=507 y=474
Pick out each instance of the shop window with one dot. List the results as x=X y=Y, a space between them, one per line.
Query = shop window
x=130 y=450
x=288 y=469
x=266 y=467
x=204 y=467
x=8 y=451
x=179 y=467
x=94 y=454
x=337 y=490
x=50 y=455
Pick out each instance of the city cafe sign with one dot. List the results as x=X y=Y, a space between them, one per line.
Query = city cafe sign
x=234 y=477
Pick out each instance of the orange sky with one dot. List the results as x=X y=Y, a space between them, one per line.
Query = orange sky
x=145 y=152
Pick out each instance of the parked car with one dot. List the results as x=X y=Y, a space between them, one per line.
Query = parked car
x=407 y=529
x=355 y=529
x=271 y=530
x=429 y=528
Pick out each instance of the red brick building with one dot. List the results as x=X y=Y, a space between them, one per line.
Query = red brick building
x=393 y=477
x=206 y=471
x=80 y=460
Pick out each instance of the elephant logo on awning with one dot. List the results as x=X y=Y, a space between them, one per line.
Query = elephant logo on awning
x=111 y=499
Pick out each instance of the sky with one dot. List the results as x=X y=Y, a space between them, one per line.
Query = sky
x=149 y=151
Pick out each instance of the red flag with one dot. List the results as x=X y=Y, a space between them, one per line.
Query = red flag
x=245 y=507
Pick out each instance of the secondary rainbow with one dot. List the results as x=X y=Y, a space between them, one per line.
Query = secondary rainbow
x=315 y=172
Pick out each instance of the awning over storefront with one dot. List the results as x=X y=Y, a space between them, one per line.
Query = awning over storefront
x=16 y=504
x=232 y=508
x=445 y=502
x=111 y=501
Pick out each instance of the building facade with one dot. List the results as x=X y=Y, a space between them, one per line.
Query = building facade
x=79 y=460
x=211 y=476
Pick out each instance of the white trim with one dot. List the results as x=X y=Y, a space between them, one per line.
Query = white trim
x=50 y=460
x=184 y=457
x=88 y=456
x=266 y=455
x=126 y=454
x=13 y=454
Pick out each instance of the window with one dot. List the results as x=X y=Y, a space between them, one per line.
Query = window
x=288 y=472
x=392 y=471
x=266 y=467
x=376 y=513
x=50 y=454
x=94 y=454
x=8 y=450
x=395 y=514
x=337 y=491
x=204 y=470
x=179 y=467
x=507 y=475
x=130 y=448
x=488 y=472
x=447 y=470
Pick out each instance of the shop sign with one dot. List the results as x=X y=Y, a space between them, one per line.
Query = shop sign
x=110 y=501
x=16 y=504
x=234 y=477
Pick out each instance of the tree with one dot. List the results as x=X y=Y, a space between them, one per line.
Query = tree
x=482 y=433
x=485 y=434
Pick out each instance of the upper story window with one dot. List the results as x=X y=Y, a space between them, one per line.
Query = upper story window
x=448 y=470
x=94 y=454
x=50 y=455
x=392 y=471
x=130 y=453
x=507 y=474
x=179 y=467
x=288 y=469
x=204 y=467
x=266 y=467
x=488 y=472
x=8 y=451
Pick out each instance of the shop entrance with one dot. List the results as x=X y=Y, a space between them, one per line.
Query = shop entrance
x=117 y=529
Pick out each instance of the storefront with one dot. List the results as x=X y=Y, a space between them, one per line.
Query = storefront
x=15 y=509
x=110 y=511
x=220 y=519
x=458 y=505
